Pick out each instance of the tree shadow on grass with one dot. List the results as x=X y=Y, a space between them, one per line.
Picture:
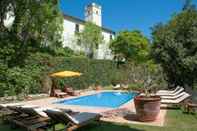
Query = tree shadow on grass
x=6 y=127
x=171 y=108
x=107 y=126
x=102 y=126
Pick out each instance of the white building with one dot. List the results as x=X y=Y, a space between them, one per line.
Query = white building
x=93 y=13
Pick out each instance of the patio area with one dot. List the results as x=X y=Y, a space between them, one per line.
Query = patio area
x=125 y=114
x=175 y=120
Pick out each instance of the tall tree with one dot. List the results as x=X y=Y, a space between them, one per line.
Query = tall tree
x=37 y=24
x=175 y=47
x=188 y=5
x=131 y=46
x=90 y=38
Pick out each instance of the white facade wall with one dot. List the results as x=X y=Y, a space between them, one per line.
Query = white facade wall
x=70 y=40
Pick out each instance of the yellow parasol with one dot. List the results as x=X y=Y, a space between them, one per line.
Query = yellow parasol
x=66 y=74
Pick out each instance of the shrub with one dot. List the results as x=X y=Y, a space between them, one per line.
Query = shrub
x=135 y=86
x=30 y=78
x=93 y=71
x=33 y=77
x=66 y=52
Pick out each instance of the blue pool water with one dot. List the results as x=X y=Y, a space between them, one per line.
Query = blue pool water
x=103 y=99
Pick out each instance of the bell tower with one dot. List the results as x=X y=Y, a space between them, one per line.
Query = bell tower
x=93 y=14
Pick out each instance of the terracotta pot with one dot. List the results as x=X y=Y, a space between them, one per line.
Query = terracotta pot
x=147 y=108
x=98 y=88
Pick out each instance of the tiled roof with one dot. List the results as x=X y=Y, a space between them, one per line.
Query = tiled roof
x=72 y=18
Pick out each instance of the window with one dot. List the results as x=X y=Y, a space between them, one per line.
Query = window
x=78 y=41
x=77 y=28
x=89 y=12
x=111 y=37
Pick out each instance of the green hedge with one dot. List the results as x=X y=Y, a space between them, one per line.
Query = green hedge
x=37 y=67
x=33 y=77
x=102 y=72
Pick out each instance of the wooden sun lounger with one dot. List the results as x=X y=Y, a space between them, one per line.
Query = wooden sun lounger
x=171 y=94
x=71 y=92
x=34 y=121
x=75 y=121
x=17 y=114
x=59 y=93
x=81 y=119
x=176 y=101
x=173 y=97
x=117 y=87
x=33 y=126
x=10 y=112
x=169 y=91
x=190 y=107
x=10 y=104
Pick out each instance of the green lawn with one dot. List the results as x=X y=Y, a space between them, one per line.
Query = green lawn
x=175 y=121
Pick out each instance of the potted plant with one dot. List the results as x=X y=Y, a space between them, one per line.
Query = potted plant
x=97 y=86
x=147 y=105
x=135 y=87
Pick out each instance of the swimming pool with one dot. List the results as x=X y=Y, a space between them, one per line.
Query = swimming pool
x=103 y=99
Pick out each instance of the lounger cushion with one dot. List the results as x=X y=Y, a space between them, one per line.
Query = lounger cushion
x=58 y=110
x=83 y=117
x=171 y=94
x=175 y=101
x=10 y=104
x=169 y=91
x=173 y=97
x=58 y=115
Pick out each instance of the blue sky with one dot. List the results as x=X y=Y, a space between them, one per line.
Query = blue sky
x=128 y=14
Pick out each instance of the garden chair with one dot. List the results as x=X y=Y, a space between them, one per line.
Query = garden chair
x=55 y=118
x=70 y=91
x=9 y=111
x=190 y=107
x=7 y=114
x=117 y=87
x=173 y=97
x=177 y=101
x=171 y=94
x=10 y=104
x=59 y=93
x=169 y=91
x=37 y=119
x=75 y=121
x=17 y=113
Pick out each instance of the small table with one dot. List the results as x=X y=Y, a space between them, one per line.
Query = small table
x=190 y=107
